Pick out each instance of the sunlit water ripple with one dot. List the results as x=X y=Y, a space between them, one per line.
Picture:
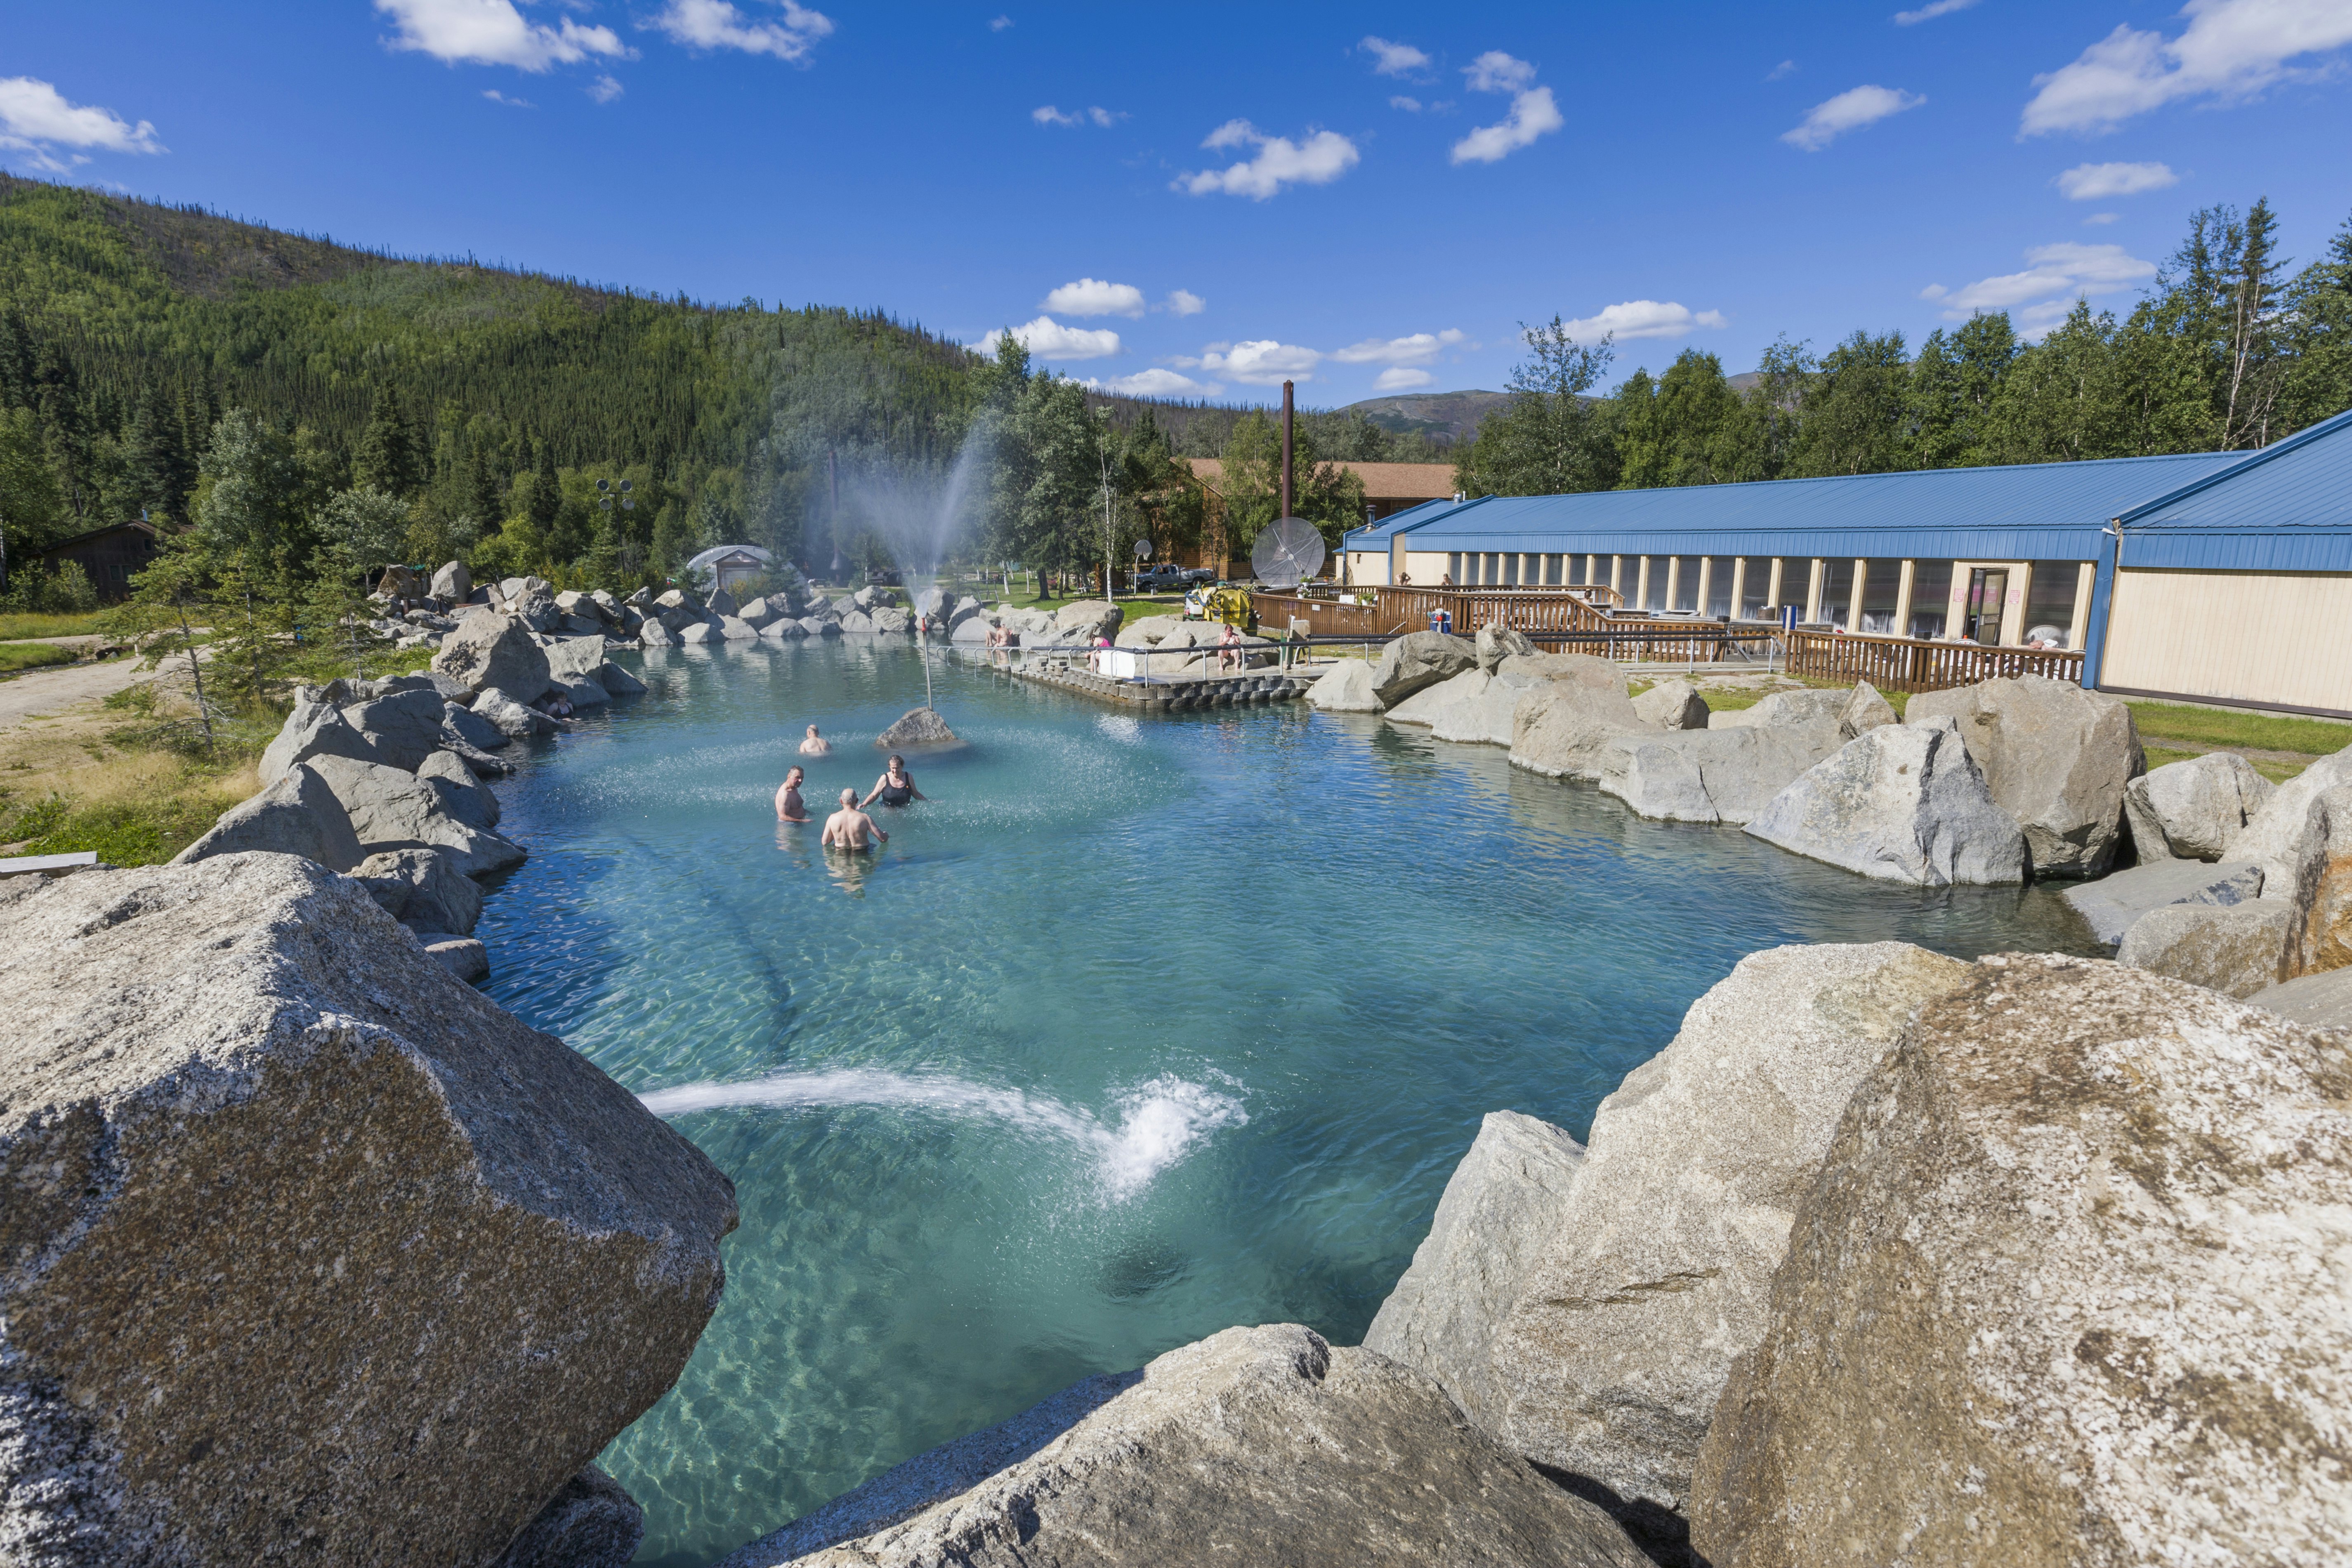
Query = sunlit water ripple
x=1138 y=1030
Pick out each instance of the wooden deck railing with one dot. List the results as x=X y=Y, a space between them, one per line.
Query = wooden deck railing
x=1917 y=664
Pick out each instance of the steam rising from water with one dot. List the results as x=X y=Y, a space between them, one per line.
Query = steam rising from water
x=1159 y=1122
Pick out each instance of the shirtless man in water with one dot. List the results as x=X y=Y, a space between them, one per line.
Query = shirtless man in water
x=789 y=805
x=817 y=745
x=850 y=828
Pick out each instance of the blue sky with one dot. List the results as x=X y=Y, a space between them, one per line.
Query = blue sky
x=1199 y=200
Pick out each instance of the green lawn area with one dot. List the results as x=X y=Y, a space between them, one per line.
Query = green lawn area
x=12 y=628
x=2239 y=731
x=16 y=655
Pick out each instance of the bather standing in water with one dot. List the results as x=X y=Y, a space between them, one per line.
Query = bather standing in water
x=789 y=805
x=817 y=745
x=896 y=787
x=850 y=828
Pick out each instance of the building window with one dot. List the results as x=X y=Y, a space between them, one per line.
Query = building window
x=2050 y=603
x=1931 y=596
x=1881 y=590
x=1453 y=566
x=1685 y=582
x=1837 y=592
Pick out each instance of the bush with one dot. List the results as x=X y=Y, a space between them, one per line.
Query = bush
x=65 y=591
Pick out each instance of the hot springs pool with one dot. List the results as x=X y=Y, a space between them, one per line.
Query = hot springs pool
x=1139 y=1029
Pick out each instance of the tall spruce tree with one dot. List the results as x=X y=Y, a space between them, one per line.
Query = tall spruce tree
x=388 y=457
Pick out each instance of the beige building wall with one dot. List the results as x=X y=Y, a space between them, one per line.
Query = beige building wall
x=2279 y=639
x=1427 y=567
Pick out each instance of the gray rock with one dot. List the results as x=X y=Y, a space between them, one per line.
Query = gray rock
x=1425 y=707
x=1486 y=717
x=584 y=692
x=1713 y=775
x=449 y=690
x=1902 y=803
x=866 y=598
x=423 y=890
x=678 y=599
x=2273 y=837
x=593 y=1522
x=2319 y=1001
x=2235 y=948
x=470 y=800
x=490 y=649
x=919 y=727
x=722 y=604
x=1345 y=688
x=570 y=659
x=473 y=728
x=819 y=627
x=1672 y=704
x=1661 y=1269
x=734 y=628
x=640 y=599
x=315 y=729
x=783 y=630
x=2112 y=903
x=482 y=764
x=1420 y=660
x=2190 y=810
x=2322 y=887
x=702 y=632
x=1865 y=709
x=889 y=622
x=298 y=814
x=1088 y=619
x=2056 y=1296
x=452 y=585
x=1494 y=644
x=312 y=1249
x=1147 y=631
x=1562 y=730
x=1581 y=669
x=392 y=810
x=972 y=632
x=511 y=718
x=464 y=957
x=652 y=633
x=403 y=729
x=762 y=613
x=1502 y=1206
x=2057 y=758
x=1807 y=706
x=1256 y=1445
x=619 y=682
x=856 y=623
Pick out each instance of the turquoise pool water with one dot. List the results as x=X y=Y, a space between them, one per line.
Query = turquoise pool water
x=1139 y=1029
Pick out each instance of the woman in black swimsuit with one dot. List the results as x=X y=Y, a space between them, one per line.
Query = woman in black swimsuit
x=896 y=787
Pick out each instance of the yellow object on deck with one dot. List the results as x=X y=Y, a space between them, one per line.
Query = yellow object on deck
x=1231 y=605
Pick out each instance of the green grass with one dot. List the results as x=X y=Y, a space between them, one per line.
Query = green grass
x=16 y=626
x=2238 y=730
x=124 y=833
x=19 y=655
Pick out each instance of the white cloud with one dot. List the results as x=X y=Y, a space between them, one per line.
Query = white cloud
x=1264 y=363
x=2058 y=275
x=1410 y=105
x=1849 y=111
x=1777 y=72
x=1048 y=338
x=1496 y=71
x=2231 y=48
x=2094 y=181
x=1103 y=117
x=1184 y=302
x=1396 y=378
x=1321 y=158
x=1093 y=296
x=495 y=96
x=605 y=89
x=1000 y=24
x=1533 y=112
x=1420 y=348
x=36 y=120
x=1047 y=114
x=1393 y=59
x=717 y=25
x=2101 y=217
x=493 y=33
x=1643 y=319
x=1929 y=12
x=1155 y=384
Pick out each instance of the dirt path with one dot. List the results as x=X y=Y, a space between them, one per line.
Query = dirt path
x=41 y=691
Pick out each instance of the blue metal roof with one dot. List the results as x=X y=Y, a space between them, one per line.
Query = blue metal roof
x=2286 y=508
x=2039 y=512
x=1376 y=536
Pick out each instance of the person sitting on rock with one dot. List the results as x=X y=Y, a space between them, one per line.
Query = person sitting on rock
x=817 y=745
x=789 y=806
x=1229 y=648
x=850 y=828
x=896 y=787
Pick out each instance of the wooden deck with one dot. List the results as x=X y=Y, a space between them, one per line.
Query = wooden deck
x=1917 y=664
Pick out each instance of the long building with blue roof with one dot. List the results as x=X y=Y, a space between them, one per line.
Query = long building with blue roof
x=2212 y=577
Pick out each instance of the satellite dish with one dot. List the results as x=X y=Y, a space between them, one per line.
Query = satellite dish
x=1143 y=549
x=1287 y=554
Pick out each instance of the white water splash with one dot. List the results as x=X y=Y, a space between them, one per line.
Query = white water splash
x=1159 y=1122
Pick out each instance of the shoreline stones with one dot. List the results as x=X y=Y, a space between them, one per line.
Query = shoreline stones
x=2056 y=757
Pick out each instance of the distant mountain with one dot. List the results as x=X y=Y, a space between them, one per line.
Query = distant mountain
x=1450 y=416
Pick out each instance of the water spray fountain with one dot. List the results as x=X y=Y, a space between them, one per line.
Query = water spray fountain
x=915 y=517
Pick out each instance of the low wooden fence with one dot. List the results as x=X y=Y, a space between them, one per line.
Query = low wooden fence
x=1915 y=664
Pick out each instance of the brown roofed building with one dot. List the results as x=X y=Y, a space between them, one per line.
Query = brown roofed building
x=109 y=556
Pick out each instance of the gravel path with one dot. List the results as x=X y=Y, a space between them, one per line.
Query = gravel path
x=42 y=691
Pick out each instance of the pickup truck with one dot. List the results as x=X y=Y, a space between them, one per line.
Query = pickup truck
x=1156 y=579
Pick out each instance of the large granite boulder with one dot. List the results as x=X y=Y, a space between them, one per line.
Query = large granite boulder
x=423 y=889
x=1486 y=718
x=570 y=660
x=471 y=728
x=2322 y=889
x=1578 y=669
x=490 y=649
x=315 y=729
x=971 y=631
x=2190 y=810
x=1672 y=704
x=593 y=1522
x=511 y=718
x=784 y=629
x=452 y=585
x=763 y=611
x=2322 y=1001
x=1089 y=619
x=619 y=682
x=1494 y=644
x=403 y=729
x=820 y=626
x=1345 y=686
x=392 y=810
x=583 y=691
x=734 y=628
x=1145 y=631
x=2235 y=948
x=853 y=623
x=1811 y=706
x=1658 y=1269
x=1457 y=708
x=2274 y=835
x=1902 y=803
x=890 y=622
x=2058 y=1296
x=1713 y=775
x=1561 y=727
x=2113 y=902
x=312 y=1252
x=2057 y=758
x=655 y=633
x=1501 y=1207
x=298 y=814
x=1256 y=1445
x=1420 y=660
x=917 y=728
x=469 y=799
